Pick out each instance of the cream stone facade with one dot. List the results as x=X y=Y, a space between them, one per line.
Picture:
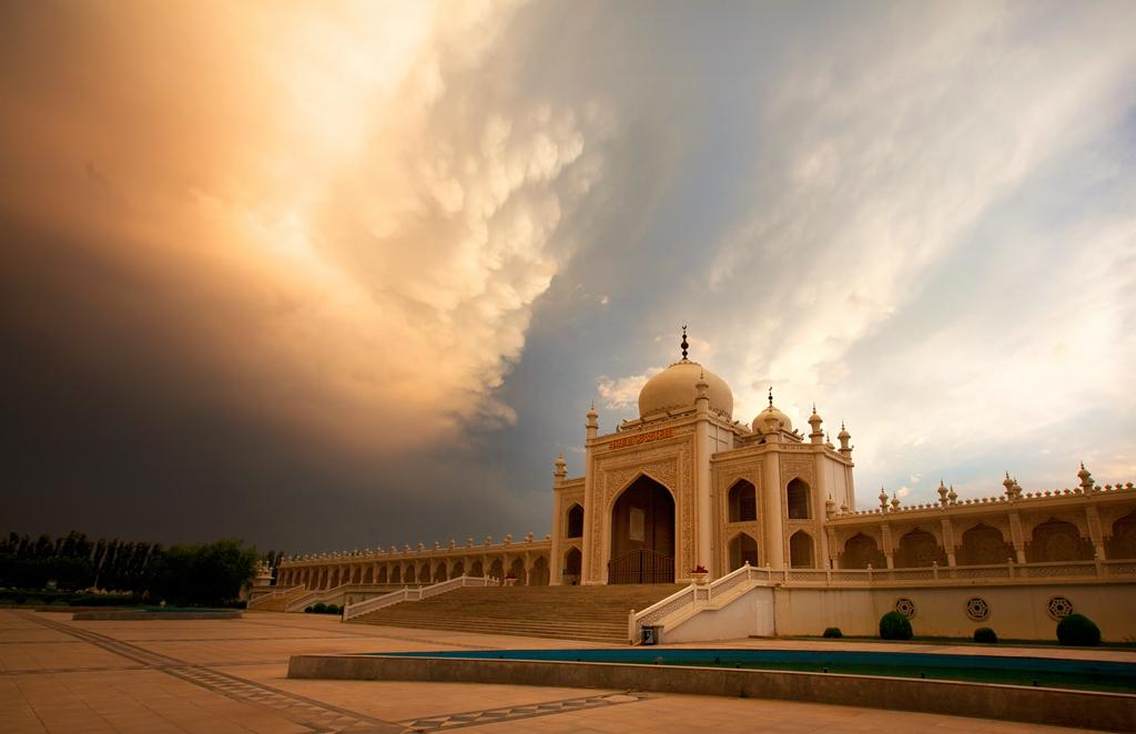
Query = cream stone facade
x=685 y=493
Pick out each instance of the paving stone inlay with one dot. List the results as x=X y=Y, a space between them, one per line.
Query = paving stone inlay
x=528 y=711
x=320 y=717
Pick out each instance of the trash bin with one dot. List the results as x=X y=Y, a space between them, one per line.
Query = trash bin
x=650 y=635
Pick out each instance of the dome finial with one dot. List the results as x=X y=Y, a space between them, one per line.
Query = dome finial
x=684 y=345
x=770 y=396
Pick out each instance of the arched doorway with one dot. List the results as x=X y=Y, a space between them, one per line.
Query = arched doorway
x=396 y=575
x=459 y=569
x=517 y=571
x=642 y=535
x=410 y=574
x=743 y=550
x=497 y=569
x=861 y=550
x=801 y=550
x=476 y=570
x=983 y=545
x=440 y=572
x=572 y=562
x=539 y=574
x=382 y=577
x=575 y=527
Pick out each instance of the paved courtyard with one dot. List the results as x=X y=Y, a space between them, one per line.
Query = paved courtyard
x=225 y=676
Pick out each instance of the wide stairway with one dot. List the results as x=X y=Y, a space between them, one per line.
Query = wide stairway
x=592 y=613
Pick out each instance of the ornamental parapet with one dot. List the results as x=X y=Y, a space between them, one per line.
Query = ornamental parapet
x=1025 y=500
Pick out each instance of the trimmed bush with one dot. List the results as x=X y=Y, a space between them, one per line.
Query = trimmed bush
x=319 y=607
x=895 y=626
x=1077 y=629
x=309 y=609
x=985 y=635
x=332 y=609
x=832 y=632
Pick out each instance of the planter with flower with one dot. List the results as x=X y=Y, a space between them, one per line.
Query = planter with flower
x=700 y=575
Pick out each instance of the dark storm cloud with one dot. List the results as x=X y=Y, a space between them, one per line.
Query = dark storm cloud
x=335 y=278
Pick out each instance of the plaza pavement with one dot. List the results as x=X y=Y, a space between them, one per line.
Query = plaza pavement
x=219 y=676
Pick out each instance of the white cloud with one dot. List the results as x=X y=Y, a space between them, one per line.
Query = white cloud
x=624 y=391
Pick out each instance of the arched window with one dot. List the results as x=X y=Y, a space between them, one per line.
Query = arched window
x=575 y=522
x=743 y=549
x=1057 y=540
x=801 y=550
x=919 y=549
x=797 y=499
x=984 y=545
x=743 y=502
x=861 y=550
x=1122 y=544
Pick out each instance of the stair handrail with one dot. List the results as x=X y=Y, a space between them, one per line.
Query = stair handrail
x=366 y=606
x=686 y=599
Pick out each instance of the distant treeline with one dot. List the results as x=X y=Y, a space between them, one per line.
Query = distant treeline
x=211 y=573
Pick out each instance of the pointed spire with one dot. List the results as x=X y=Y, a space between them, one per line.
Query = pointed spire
x=684 y=344
x=770 y=396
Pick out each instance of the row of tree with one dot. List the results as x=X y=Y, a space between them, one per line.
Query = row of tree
x=212 y=573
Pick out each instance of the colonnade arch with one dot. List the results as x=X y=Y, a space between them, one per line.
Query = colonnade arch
x=860 y=551
x=1057 y=540
x=919 y=548
x=983 y=545
x=1122 y=544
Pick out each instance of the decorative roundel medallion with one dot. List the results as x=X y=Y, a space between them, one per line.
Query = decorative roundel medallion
x=977 y=608
x=1059 y=607
x=905 y=606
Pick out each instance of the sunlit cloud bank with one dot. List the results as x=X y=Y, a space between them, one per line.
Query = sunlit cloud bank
x=338 y=208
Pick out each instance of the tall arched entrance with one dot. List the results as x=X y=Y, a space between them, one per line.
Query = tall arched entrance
x=642 y=535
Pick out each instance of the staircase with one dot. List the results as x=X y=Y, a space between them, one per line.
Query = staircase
x=277 y=600
x=591 y=613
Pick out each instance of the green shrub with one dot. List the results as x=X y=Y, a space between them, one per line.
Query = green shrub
x=319 y=608
x=1077 y=629
x=832 y=632
x=309 y=609
x=332 y=609
x=985 y=635
x=895 y=626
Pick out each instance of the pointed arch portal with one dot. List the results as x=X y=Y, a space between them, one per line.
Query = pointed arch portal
x=643 y=535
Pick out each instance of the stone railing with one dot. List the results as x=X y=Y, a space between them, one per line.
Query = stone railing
x=416 y=594
x=274 y=594
x=956 y=575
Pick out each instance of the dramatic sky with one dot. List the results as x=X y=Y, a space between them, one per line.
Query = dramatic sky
x=328 y=275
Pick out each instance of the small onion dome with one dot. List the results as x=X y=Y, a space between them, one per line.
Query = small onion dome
x=843 y=432
x=815 y=418
x=676 y=388
x=772 y=420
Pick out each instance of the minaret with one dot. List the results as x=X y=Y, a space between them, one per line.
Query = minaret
x=942 y=493
x=883 y=499
x=591 y=422
x=702 y=399
x=817 y=435
x=561 y=471
x=844 y=436
x=1086 y=479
